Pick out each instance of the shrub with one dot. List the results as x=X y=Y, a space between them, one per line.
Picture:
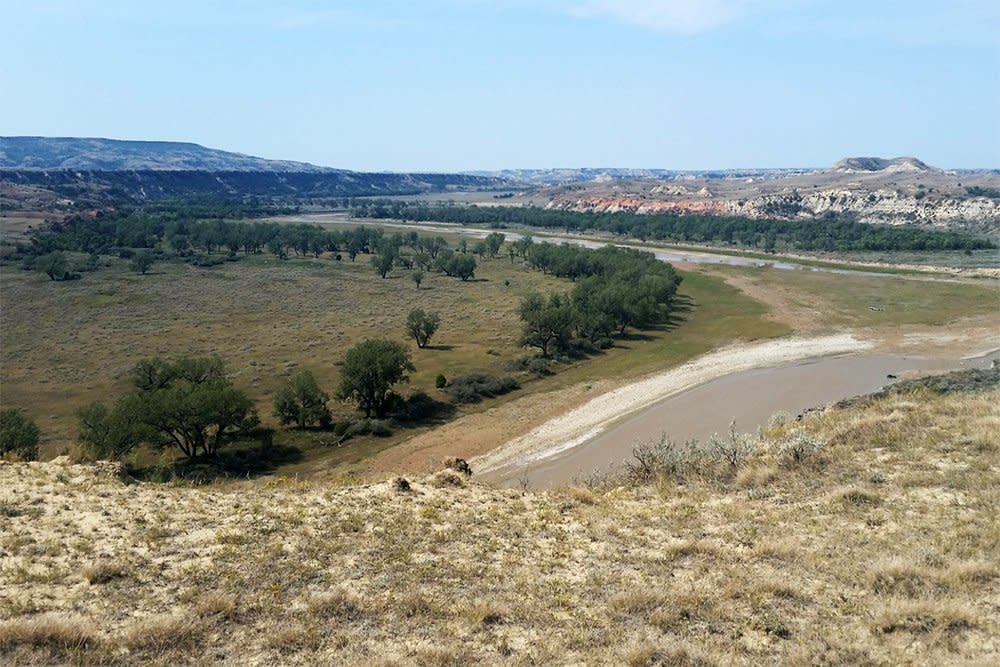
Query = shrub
x=733 y=450
x=664 y=458
x=376 y=427
x=380 y=428
x=473 y=387
x=440 y=381
x=799 y=446
x=18 y=436
x=537 y=366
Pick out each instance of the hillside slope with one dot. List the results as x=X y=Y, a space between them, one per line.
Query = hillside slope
x=880 y=547
x=95 y=188
x=95 y=154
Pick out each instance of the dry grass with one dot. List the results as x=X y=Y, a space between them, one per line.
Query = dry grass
x=72 y=343
x=838 y=563
x=46 y=637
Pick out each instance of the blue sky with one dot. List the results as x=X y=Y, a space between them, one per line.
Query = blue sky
x=443 y=85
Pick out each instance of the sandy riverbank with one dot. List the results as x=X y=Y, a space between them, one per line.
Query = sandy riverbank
x=586 y=421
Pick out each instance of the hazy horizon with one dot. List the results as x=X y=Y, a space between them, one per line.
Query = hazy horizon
x=534 y=168
x=449 y=86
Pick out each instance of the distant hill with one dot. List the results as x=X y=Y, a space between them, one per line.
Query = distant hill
x=87 y=188
x=870 y=164
x=545 y=177
x=90 y=154
x=95 y=172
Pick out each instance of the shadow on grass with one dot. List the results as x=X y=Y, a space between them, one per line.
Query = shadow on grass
x=241 y=460
x=421 y=409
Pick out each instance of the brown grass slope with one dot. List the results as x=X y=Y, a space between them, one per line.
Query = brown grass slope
x=880 y=548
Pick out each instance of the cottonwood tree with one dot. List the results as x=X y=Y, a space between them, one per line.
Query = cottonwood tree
x=493 y=242
x=188 y=403
x=421 y=326
x=18 y=436
x=548 y=324
x=53 y=264
x=300 y=401
x=369 y=371
x=141 y=262
x=382 y=263
x=104 y=433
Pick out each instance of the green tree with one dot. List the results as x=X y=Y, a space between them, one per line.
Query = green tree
x=457 y=265
x=300 y=401
x=370 y=370
x=548 y=324
x=141 y=262
x=52 y=264
x=421 y=326
x=18 y=436
x=188 y=403
x=423 y=261
x=382 y=262
x=417 y=277
x=106 y=434
x=493 y=242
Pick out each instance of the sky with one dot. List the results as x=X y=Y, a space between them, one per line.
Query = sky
x=454 y=85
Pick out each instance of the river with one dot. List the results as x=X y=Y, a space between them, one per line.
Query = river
x=750 y=397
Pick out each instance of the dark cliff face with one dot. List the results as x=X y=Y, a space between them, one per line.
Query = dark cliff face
x=155 y=184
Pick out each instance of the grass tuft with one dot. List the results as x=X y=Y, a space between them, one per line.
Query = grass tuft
x=60 y=634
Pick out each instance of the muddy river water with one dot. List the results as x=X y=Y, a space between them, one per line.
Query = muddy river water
x=750 y=397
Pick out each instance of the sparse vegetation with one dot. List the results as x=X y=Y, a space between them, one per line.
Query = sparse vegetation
x=763 y=566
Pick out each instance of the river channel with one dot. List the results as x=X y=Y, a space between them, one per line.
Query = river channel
x=748 y=397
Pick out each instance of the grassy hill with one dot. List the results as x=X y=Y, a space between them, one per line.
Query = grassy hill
x=878 y=544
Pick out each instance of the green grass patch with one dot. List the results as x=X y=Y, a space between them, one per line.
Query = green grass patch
x=875 y=301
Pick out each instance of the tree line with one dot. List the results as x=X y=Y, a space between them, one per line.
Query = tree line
x=808 y=235
x=614 y=289
x=144 y=238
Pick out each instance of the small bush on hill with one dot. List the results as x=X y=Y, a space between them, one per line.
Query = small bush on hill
x=473 y=387
x=663 y=458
